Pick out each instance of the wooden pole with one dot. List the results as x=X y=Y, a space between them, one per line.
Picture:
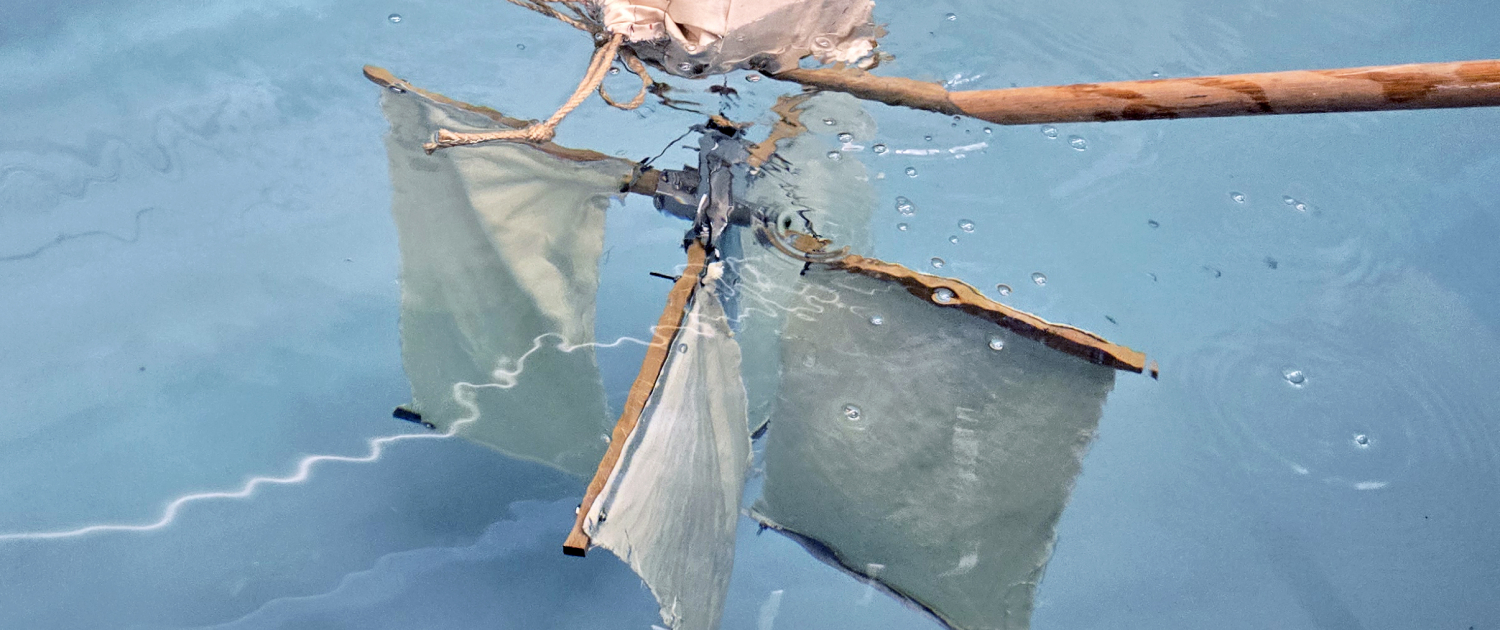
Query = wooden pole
x=1411 y=86
x=577 y=542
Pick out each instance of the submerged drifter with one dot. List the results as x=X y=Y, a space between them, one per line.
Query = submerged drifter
x=914 y=433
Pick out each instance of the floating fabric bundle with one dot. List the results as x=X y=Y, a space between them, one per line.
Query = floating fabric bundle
x=696 y=38
x=500 y=248
x=692 y=39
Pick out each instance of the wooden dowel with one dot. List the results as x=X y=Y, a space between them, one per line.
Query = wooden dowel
x=1411 y=86
x=577 y=542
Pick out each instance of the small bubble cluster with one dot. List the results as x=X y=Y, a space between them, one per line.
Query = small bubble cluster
x=905 y=207
x=1294 y=376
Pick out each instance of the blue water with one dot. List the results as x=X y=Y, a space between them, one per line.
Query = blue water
x=198 y=267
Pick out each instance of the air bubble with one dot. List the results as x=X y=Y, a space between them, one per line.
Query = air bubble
x=852 y=413
x=830 y=122
x=966 y=225
x=879 y=149
x=1155 y=74
x=614 y=71
x=942 y=295
x=1362 y=441
x=1039 y=279
x=682 y=347
x=1288 y=200
x=1300 y=207
x=911 y=171
x=1237 y=197
x=988 y=130
x=927 y=138
x=685 y=67
x=1153 y=223
x=903 y=227
x=1050 y=132
x=835 y=155
x=520 y=46
x=1002 y=289
x=1294 y=376
x=953 y=239
x=938 y=263
x=395 y=18
x=951 y=17
x=1078 y=143
x=753 y=78
x=905 y=207
x=997 y=342
x=846 y=137
x=876 y=320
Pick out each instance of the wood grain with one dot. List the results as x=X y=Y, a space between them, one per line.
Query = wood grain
x=1377 y=88
x=577 y=543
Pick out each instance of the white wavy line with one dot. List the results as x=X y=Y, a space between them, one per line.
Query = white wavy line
x=305 y=466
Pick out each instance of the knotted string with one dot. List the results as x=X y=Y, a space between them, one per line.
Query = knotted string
x=593 y=79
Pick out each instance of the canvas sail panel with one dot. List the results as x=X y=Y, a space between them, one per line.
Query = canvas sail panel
x=698 y=37
x=914 y=454
x=671 y=503
x=500 y=246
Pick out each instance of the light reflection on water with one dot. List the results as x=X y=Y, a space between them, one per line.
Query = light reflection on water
x=196 y=248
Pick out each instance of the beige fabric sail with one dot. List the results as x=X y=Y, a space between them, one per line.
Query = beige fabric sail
x=671 y=503
x=699 y=37
x=499 y=269
x=923 y=447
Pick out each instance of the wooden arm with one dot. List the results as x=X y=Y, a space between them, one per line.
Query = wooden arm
x=1411 y=86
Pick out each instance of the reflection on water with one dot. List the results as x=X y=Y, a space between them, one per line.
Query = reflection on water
x=198 y=258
